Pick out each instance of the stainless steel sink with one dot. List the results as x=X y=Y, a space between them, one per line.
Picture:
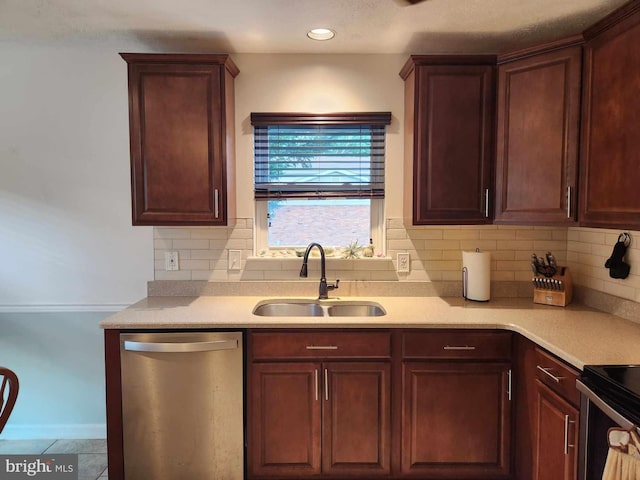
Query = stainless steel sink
x=318 y=308
x=285 y=309
x=356 y=310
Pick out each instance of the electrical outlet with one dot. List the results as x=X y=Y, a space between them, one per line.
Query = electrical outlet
x=171 y=261
x=404 y=262
x=235 y=260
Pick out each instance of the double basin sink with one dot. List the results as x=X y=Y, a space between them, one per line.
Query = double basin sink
x=318 y=308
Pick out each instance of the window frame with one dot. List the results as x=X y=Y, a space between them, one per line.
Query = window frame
x=377 y=223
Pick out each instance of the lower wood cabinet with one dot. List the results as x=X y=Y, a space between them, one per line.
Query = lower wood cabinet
x=556 y=436
x=285 y=427
x=456 y=404
x=555 y=454
x=457 y=420
x=379 y=404
x=328 y=417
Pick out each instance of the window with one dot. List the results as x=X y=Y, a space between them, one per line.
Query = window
x=319 y=178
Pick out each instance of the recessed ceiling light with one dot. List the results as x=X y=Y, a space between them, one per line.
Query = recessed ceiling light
x=321 y=34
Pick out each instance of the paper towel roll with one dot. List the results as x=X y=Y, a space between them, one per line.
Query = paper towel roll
x=476 y=276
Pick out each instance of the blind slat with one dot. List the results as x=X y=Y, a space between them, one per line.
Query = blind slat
x=293 y=161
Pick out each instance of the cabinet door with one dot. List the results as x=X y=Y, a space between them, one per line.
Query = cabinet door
x=610 y=176
x=556 y=430
x=284 y=433
x=457 y=419
x=452 y=144
x=356 y=419
x=179 y=114
x=537 y=131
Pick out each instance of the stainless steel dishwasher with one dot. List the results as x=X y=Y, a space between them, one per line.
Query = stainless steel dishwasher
x=182 y=405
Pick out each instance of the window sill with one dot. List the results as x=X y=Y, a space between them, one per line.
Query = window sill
x=298 y=254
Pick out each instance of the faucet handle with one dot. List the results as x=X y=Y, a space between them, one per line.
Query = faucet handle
x=333 y=286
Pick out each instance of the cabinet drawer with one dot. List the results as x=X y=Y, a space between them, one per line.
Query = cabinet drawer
x=285 y=345
x=558 y=376
x=460 y=344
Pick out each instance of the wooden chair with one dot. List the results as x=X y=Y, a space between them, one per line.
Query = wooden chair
x=10 y=384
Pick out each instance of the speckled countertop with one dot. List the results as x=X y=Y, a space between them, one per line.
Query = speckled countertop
x=580 y=335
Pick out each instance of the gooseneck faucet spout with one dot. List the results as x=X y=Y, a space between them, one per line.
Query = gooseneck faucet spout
x=324 y=287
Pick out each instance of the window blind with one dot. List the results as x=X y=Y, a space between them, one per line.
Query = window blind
x=305 y=159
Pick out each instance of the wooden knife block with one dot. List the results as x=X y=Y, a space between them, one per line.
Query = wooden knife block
x=548 y=296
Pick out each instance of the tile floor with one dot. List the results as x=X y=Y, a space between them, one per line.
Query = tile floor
x=92 y=454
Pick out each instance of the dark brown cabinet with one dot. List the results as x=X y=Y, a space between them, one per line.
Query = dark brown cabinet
x=286 y=426
x=329 y=417
x=449 y=111
x=547 y=415
x=456 y=405
x=538 y=126
x=610 y=173
x=555 y=453
x=181 y=121
x=556 y=436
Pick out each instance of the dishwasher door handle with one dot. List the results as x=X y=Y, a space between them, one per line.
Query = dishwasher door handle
x=181 y=347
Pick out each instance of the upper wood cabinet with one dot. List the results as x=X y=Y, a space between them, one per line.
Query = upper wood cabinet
x=449 y=110
x=538 y=125
x=181 y=121
x=610 y=168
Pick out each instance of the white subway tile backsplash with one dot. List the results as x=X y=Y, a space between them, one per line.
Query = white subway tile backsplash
x=461 y=234
x=501 y=234
x=592 y=236
x=442 y=245
x=515 y=245
x=435 y=254
x=481 y=244
x=198 y=244
x=171 y=232
x=533 y=234
x=210 y=233
x=426 y=234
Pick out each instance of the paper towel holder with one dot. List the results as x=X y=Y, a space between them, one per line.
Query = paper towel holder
x=465 y=280
x=465 y=283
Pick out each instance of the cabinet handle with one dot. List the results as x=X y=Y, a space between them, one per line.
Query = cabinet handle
x=549 y=374
x=567 y=446
x=216 y=203
x=509 y=384
x=321 y=347
x=486 y=203
x=568 y=202
x=317 y=386
x=326 y=385
x=458 y=347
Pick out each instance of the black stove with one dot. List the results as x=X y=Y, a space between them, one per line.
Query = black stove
x=618 y=386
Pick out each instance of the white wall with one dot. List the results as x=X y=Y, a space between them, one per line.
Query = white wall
x=66 y=240
x=65 y=223
x=59 y=360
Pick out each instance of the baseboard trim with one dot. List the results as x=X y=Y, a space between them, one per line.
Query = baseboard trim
x=54 y=308
x=60 y=431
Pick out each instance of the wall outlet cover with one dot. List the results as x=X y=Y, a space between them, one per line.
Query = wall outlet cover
x=404 y=262
x=171 y=261
x=235 y=260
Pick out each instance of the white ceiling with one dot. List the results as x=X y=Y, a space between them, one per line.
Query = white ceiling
x=279 y=26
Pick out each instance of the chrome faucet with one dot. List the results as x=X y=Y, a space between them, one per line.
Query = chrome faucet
x=324 y=287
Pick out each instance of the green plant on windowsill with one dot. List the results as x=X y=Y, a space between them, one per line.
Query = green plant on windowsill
x=352 y=250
